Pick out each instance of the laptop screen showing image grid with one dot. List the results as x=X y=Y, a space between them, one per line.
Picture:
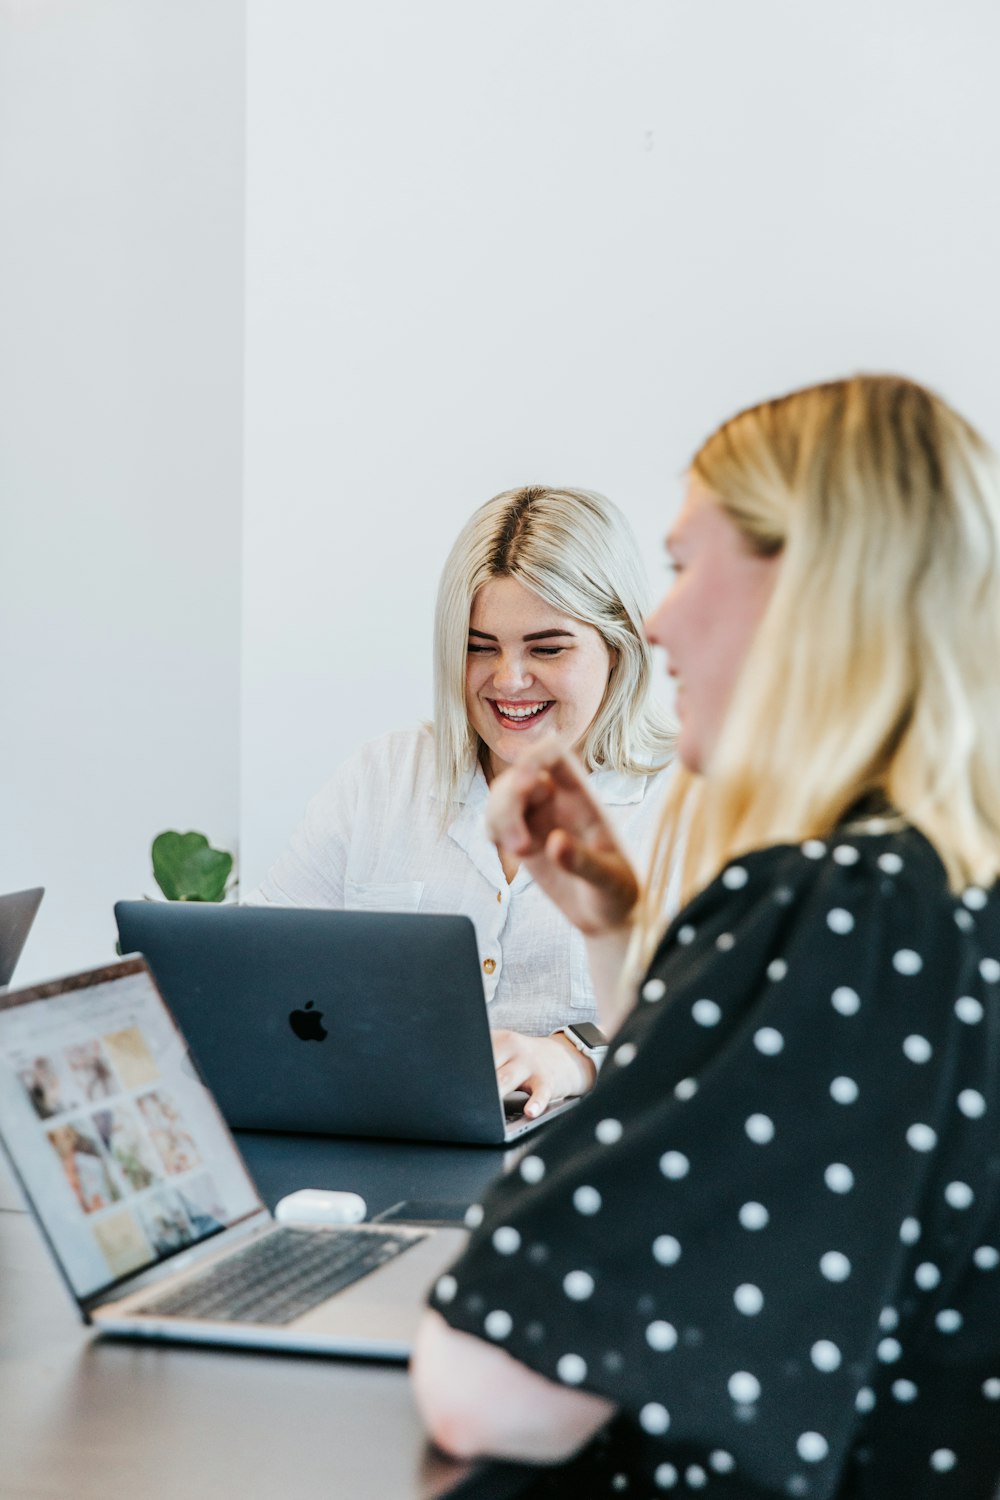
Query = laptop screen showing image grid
x=147 y=1206
x=118 y=1142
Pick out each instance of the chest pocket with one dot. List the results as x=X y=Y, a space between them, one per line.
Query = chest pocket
x=398 y=895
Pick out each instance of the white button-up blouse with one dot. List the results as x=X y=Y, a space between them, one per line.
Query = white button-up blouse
x=373 y=840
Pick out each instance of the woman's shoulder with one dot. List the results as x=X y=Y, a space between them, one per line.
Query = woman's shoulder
x=854 y=854
x=878 y=882
x=399 y=763
x=400 y=747
x=395 y=751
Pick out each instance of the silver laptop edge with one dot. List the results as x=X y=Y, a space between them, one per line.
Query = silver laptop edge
x=18 y=910
x=87 y=1224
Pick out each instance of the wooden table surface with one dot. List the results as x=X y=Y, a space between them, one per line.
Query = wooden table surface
x=87 y=1418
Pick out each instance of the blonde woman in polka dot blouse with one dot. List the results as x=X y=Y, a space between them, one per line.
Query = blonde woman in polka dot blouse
x=762 y=1258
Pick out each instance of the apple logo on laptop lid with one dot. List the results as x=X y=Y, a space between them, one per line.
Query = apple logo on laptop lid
x=308 y=1023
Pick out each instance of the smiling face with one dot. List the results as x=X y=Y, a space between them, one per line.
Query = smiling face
x=708 y=617
x=530 y=669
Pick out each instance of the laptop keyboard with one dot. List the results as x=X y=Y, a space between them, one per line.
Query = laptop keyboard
x=282 y=1276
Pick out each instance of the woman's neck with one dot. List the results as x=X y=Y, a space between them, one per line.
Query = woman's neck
x=508 y=863
x=491 y=770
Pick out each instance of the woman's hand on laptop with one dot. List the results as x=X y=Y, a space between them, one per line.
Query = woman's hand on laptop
x=546 y=1068
x=541 y=811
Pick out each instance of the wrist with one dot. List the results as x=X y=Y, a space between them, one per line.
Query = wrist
x=578 y=1071
x=588 y=1048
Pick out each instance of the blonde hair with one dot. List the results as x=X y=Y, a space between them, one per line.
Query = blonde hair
x=575 y=550
x=875 y=672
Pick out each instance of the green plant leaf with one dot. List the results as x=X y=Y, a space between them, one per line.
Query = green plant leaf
x=187 y=868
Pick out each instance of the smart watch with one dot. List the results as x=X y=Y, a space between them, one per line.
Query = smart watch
x=586 y=1038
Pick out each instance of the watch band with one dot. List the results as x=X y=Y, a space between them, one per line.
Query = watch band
x=595 y=1051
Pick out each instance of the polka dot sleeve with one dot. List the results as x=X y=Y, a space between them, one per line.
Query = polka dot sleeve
x=763 y=1224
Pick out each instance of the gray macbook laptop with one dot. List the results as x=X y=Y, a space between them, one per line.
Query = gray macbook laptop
x=147 y=1205
x=17 y=912
x=331 y=1022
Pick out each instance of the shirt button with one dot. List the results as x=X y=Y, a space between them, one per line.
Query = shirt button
x=500 y=896
x=489 y=964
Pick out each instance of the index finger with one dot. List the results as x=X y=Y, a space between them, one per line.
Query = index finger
x=512 y=795
x=565 y=773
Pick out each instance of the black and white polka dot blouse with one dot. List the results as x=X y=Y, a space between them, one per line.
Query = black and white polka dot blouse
x=772 y=1232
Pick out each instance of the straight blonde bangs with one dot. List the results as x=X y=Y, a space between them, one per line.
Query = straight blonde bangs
x=575 y=550
x=876 y=669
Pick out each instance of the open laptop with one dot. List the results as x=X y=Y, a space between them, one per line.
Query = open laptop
x=17 y=912
x=332 y=1022
x=147 y=1205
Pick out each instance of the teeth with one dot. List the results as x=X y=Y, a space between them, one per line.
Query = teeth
x=522 y=713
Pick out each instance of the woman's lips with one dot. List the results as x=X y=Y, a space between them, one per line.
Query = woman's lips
x=518 y=716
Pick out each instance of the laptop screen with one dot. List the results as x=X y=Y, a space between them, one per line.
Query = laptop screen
x=118 y=1143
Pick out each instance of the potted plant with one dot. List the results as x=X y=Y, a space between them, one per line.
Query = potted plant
x=187 y=868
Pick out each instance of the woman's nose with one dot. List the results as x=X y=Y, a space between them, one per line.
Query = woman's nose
x=655 y=622
x=511 y=674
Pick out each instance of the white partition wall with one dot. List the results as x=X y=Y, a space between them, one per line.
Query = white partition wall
x=484 y=245
x=121 y=313
x=489 y=245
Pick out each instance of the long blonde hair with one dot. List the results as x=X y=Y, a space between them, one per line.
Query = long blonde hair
x=876 y=668
x=574 y=549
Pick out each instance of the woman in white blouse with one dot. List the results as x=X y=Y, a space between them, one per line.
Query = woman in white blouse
x=538 y=628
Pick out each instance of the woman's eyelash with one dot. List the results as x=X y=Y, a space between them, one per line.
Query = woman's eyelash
x=537 y=650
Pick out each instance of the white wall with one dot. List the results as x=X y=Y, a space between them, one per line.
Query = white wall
x=485 y=245
x=121 y=196
x=496 y=244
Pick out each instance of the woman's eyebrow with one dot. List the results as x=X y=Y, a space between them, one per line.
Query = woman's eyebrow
x=535 y=635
